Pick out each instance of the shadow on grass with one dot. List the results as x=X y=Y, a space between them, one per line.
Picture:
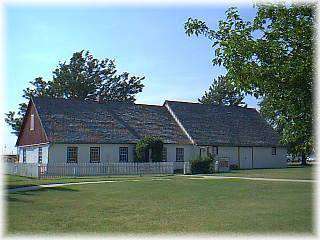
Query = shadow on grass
x=20 y=186
x=300 y=166
x=62 y=188
x=16 y=196
x=15 y=199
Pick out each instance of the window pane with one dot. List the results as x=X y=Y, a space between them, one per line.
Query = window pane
x=95 y=154
x=40 y=155
x=72 y=154
x=179 y=154
x=201 y=151
x=274 y=151
x=123 y=154
x=215 y=150
x=164 y=154
x=24 y=155
x=32 y=122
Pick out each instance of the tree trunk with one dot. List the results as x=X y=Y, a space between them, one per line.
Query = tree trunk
x=303 y=160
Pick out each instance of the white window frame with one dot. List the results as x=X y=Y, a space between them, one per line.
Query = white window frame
x=40 y=155
x=24 y=155
x=75 y=160
x=164 y=154
x=123 y=154
x=32 y=122
x=179 y=154
x=274 y=151
x=95 y=156
x=215 y=150
x=203 y=150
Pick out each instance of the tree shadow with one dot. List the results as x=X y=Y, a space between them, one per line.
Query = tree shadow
x=58 y=188
x=15 y=199
x=16 y=196
x=300 y=166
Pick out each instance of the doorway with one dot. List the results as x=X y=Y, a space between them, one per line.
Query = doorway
x=245 y=157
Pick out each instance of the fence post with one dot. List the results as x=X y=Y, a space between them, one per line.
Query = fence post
x=39 y=171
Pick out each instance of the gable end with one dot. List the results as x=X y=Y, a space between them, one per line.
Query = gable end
x=28 y=136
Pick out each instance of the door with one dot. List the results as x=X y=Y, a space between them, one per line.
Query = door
x=245 y=157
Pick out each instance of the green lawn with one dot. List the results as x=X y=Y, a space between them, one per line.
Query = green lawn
x=179 y=205
x=294 y=172
x=18 y=181
x=291 y=173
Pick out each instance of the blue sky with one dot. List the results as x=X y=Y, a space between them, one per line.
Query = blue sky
x=145 y=41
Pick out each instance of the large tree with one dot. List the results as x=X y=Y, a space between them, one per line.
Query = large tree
x=271 y=57
x=82 y=77
x=223 y=92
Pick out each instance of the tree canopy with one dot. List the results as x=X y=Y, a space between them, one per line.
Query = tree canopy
x=223 y=92
x=271 y=57
x=82 y=77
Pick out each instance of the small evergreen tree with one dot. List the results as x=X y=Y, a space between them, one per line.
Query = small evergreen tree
x=222 y=92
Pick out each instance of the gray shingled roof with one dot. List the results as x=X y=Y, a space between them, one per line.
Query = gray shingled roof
x=74 y=121
x=224 y=125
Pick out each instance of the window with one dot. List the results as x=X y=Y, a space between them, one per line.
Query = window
x=164 y=154
x=135 y=155
x=208 y=149
x=95 y=154
x=274 y=151
x=123 y=154
x=202 y=151
x=24 y=155
x=215 y=150
x=40 y=155
x=32 y=122
x=72 y=154
x=179 y=154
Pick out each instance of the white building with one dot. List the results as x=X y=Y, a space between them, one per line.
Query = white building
x=73 y=131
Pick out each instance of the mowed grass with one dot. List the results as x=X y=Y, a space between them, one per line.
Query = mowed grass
x=292 y=172
x=289 y=173
x=178 y=205
x=12 y=181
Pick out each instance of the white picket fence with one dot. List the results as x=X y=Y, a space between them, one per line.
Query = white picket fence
x=93 y=169
x=22 y=169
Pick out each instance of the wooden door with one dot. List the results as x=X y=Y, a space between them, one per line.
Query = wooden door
x=245 y=155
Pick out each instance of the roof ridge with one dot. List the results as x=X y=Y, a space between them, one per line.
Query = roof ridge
x=210 y=124
x=112 y=122
x=215 y=105
x=182 y=101
x=95 y=102
x=65 y=99
x=140 y=104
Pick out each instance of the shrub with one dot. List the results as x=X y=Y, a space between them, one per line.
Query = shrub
x=147 y=143
x=234 y=166
x=202 y=165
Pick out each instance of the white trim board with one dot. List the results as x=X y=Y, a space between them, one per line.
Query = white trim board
x=179 y=123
